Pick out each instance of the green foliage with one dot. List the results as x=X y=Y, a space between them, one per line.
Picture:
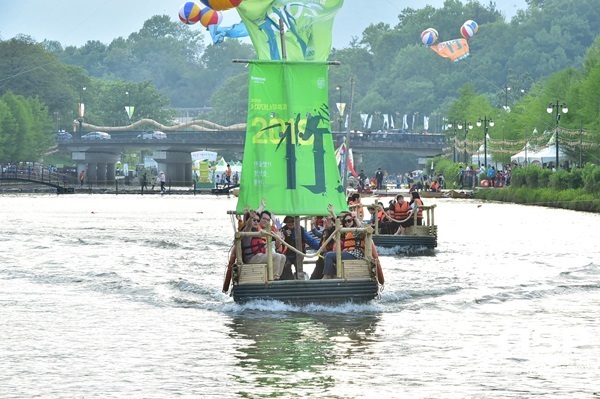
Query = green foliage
x=22 y=126
x=573 y=199
x=564 y=180
x=591 y=179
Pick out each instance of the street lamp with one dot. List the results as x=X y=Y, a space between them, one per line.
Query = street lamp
x=550 y=108
x=486 y=122
x=81 y=109
x=456 y=125
x=506 y=90
x=533 y=134
x=468 y=126
x=340 y=107
x=129 y=108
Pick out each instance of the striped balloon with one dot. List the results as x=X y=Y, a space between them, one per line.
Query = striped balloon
x=221 y=5
x=469 y=29
x=429 y=36
x=208 y=17
x=189 y=13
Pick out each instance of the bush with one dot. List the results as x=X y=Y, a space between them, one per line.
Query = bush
x=563 y=180
x=591 y=179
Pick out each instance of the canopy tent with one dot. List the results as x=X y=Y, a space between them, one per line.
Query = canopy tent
x=547 y=154
x=523 y=156
x=479 y=157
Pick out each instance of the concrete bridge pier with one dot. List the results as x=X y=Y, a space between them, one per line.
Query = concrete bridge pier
x=98 y=168
x=176 y=165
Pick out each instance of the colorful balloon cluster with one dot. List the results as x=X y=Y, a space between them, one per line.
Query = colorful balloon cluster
x=429 y=36
x=192 y=12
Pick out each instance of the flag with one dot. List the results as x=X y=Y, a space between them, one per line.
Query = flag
x=386 y=121
x=426 y=123
x=392 y=122
x=364 y=118
x=370 y=121
x=405 y=122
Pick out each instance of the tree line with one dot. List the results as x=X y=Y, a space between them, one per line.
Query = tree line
x=546 y=53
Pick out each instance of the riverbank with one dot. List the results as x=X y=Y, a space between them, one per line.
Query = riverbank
x=573 y=199
x=124 y=190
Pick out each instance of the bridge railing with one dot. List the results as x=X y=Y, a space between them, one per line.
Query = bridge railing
x=37 y=173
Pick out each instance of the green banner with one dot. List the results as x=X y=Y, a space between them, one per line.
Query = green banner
x=307 y=24
x=289 y=156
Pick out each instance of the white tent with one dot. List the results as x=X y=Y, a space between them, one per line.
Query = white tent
x=547 y=154
x=523 y=156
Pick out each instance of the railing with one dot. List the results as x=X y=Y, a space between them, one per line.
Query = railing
x=47 y=175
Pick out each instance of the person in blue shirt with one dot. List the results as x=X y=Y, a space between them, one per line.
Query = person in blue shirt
x=289 y=236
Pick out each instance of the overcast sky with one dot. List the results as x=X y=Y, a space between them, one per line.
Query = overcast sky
x=74 y=22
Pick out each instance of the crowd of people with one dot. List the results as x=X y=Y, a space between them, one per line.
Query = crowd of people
x=255 y=250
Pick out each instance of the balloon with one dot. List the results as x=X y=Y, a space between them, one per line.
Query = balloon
x=189 y=13
x=429 y=36
x=221 y=5
x=208 y=16
x=469 y=29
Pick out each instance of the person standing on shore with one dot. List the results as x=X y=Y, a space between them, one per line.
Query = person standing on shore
x=163 y=179
x=81 y=178
x=144 y=182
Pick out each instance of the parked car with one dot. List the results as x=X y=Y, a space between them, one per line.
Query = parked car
x=63 y=136
x=96 y=136
x=156 y=135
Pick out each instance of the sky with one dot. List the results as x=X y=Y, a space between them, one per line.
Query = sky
x=74 y=22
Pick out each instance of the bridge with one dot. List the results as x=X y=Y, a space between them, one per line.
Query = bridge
x=98 y=158
x=37 y=175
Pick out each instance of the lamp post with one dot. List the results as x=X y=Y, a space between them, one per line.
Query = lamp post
x=533 y=134
x=456 y=125
x=506 y=90
x=556 y=107
x=340 y=108
x=57 y=115
x=468 y=126
x=485 y=123
x=128 y=104
x=81 y=109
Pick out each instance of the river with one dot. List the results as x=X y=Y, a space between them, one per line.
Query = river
x=105 y=296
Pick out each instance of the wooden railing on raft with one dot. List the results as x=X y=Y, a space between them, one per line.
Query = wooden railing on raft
x=428 y=227
x=253 y=270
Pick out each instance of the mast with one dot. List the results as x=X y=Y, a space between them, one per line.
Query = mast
x=345 y=164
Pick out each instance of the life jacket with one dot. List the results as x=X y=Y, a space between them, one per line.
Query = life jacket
x=252 y=246
x=401 y=210
x=381 y=215
x=420 y=209
x=279 y=247
x=354 y=244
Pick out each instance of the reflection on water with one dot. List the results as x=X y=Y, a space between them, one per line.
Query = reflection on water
x=277 y=351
